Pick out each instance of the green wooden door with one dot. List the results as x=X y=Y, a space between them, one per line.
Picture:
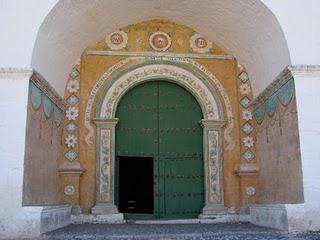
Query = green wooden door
x=161 y=120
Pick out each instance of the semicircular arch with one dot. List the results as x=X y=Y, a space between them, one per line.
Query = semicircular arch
x=205 y=94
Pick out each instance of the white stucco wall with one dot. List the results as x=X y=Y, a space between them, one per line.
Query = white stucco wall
x=306 y=216
x=308 y=100
x=299 y=20
x=13 y=108
x=19 y=23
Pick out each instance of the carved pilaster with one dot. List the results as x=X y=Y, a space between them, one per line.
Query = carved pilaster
x=105 y=165
x=212 y=142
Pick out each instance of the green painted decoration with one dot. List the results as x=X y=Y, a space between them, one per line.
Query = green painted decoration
x=161 y=120
x=47 y=105
x=57 y=115
x=36 y=95
x=271 y=104
x=259 y=113
x=284 y=94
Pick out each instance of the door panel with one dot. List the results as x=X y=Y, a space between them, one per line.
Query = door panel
x=136 y=132
x=180 y=152
x=162 y=120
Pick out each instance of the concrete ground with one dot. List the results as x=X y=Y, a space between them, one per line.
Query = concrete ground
x=221 y=231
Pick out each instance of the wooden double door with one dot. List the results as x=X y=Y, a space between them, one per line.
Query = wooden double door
x=159 y=153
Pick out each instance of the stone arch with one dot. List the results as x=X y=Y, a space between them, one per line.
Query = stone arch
x=212 y=123
x=206 y=96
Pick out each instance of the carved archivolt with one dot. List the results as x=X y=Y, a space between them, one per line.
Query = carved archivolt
x=206 y=99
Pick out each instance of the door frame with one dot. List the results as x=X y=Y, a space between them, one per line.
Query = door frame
x=213 y=124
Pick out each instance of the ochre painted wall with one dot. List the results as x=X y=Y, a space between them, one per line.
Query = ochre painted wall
x=93 y=66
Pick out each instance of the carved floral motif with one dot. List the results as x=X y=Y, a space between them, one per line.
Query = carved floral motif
x=248 y=141
x=73 y=86
x=105 y=164
x=245 y=89
x=246 y=115
x=71 y=140
x=213 y=167
x=72 y=113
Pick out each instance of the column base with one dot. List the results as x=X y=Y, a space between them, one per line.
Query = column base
x=214 y=209
x=104 y=209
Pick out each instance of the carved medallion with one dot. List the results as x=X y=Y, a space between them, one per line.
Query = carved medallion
x=69 y=190
x=250 y=191
x=200 y=44
x=160 y=41
x=117 y=40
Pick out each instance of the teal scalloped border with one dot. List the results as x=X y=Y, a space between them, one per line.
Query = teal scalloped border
x=283 y=95
x=38 y=97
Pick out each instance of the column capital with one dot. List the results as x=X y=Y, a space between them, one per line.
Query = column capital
x=105 y=122
x=207 y=123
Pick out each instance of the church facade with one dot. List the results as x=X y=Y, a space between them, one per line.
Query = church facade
x=122 y=111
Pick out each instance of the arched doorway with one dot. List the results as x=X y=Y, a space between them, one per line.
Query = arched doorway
x=159 y=152
x=106 y=122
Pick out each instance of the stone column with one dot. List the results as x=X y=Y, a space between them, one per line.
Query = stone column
x=212 y=149
x=105 y=167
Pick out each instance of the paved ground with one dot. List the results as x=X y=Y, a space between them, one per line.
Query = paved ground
x=227 y=231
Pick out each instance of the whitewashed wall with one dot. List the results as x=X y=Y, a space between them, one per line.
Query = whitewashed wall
x=306 y=216
x=13 y=107
x=20 y=21
x=299 y=20
x=244 y=27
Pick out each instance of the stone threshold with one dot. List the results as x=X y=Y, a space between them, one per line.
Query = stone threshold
x=118 y=219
